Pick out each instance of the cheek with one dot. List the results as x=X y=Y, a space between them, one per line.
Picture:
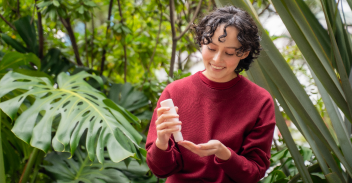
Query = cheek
x=233 y=62
x=206 y=54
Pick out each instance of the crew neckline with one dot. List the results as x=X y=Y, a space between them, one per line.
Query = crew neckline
x=217 y=85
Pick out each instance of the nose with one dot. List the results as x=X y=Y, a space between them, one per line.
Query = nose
x=217 y=57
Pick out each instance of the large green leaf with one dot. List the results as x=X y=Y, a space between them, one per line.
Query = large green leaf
x=283 y=77
x=336 y=120
x=259 y=78
x=333 y=178
x=13 y=43
x=80 y=107
x=130 y=99
x=312 y=49
x=341 y=35
x=80 y=169
x=14 y=60
x=125 y=96
x=26 y=29
x=340 y=66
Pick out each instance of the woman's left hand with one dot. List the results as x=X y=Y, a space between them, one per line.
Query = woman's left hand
x=213 y=147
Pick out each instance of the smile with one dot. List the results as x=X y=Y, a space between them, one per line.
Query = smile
x=213 y=66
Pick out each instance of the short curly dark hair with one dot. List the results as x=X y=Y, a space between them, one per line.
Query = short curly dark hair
x=248 y=34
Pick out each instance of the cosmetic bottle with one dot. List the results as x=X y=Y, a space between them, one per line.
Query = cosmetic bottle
x=169 y=103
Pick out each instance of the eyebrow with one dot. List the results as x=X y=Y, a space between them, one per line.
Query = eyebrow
x=227 y=47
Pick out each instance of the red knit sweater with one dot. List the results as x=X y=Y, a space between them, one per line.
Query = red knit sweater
x=238 y=113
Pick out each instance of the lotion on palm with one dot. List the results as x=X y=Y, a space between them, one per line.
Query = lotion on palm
x=169 y=103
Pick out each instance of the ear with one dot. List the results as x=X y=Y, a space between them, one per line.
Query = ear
x=245 y=55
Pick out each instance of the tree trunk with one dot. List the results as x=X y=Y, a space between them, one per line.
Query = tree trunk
x=124 y=44
x=40 y=33
x=67 y=24
x=106 y=35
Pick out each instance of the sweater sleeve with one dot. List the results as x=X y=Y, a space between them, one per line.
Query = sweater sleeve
x=162 y=163
x=250 y=165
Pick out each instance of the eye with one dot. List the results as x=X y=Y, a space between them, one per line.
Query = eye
x=210 y=49
x=214 y=50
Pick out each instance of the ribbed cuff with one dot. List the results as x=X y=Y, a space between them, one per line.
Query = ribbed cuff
x=161 y=158
x=234 y=159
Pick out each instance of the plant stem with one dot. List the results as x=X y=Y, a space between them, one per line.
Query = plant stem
x=36 y=166
x=82 y=167
x=28 y=168
x=174 y=41
x=86 y=45
x=191 y=22
x=40 y=33
x=92 y=43
x=2 y=167
x=67 y=24
x=7 y=22
x=18 y=9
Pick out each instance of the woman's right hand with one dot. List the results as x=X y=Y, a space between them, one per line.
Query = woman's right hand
x=164 y=129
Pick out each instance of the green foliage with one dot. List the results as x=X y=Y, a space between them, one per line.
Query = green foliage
x=130 y=99
x=54 y=62
x=329 y=64
x=62 y=168
x=14 y=149
x=76 y=9
x=80 y=107
x=15 y=60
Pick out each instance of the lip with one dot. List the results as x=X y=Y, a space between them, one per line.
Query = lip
x=216 y=66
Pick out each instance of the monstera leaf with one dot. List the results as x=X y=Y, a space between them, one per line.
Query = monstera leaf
x=130 y=99
x=127 y=97
x=80 y=169
x=80 y=107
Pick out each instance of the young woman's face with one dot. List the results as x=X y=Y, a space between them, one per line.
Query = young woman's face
x=220 y=58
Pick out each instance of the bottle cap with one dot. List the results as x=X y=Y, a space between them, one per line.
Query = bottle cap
x=167 y=103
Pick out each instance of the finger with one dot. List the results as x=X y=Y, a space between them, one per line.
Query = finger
x=212 y=144
x=161 y=110
x=176 y=108
x=208 y=152
x=168 y=131
x=166 y=125
x=164 y=117
x=189 y=144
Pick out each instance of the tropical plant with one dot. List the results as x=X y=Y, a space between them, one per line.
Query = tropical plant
x=40 y=50
x=79 y=169
x=330 y=66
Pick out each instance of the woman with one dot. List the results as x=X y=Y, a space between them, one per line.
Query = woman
x=227 y=121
